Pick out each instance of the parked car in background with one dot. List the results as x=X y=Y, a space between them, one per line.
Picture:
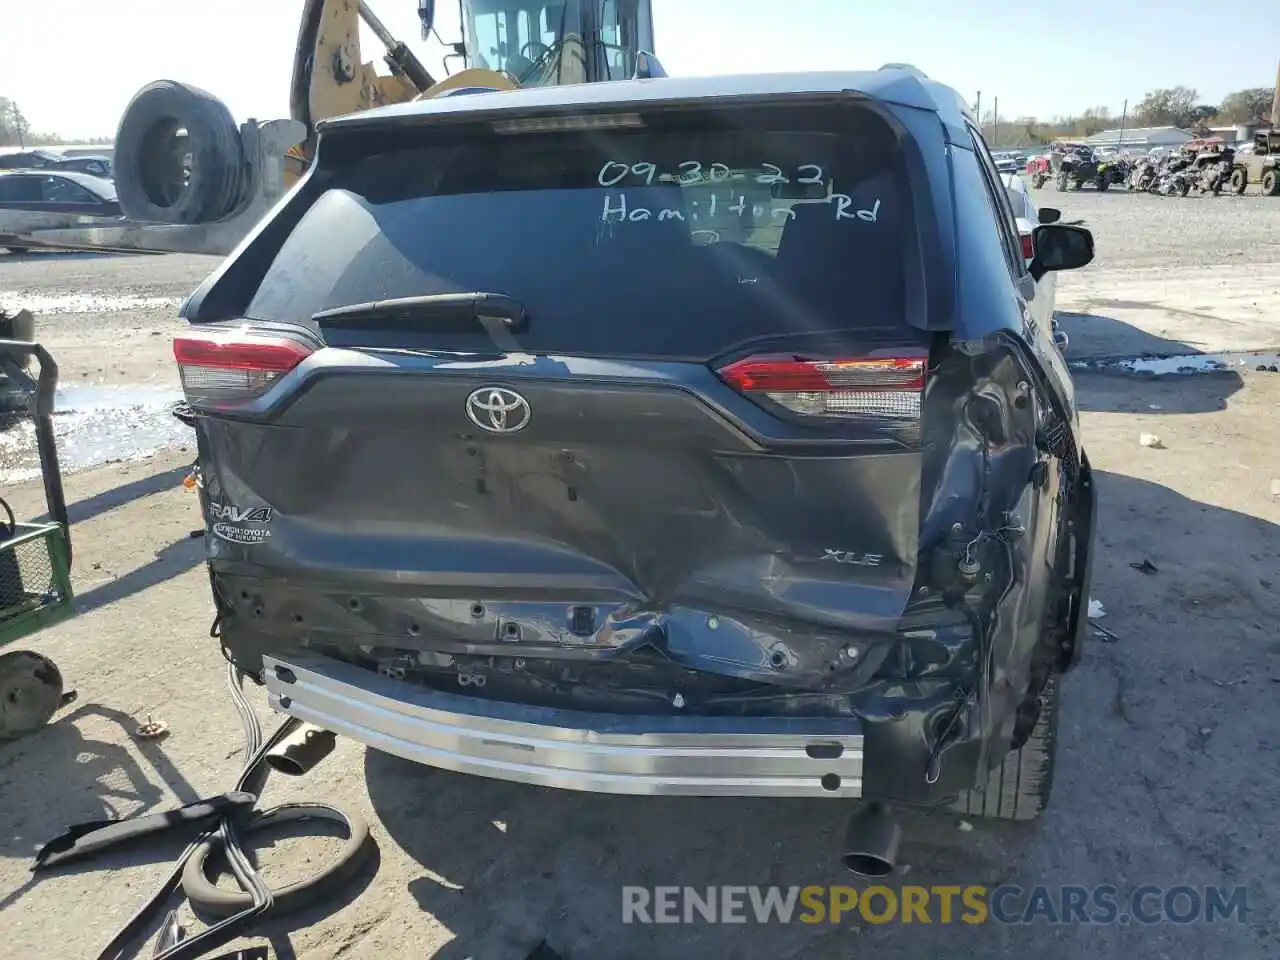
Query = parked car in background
x=60 y=192
x=97 y=165
x=94 y=166
x=29 y=159
x=1028 y=217
x=30 y=199
x=1009 y=161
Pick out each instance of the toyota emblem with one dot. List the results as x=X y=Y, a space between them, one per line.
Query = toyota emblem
x=498 y=410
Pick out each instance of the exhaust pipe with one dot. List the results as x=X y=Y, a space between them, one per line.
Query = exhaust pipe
x=871 y=842
x=299 y=752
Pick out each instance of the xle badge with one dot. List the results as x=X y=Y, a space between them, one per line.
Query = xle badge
x=240 y=524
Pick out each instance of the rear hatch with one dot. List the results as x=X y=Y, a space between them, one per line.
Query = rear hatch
x=562 y=390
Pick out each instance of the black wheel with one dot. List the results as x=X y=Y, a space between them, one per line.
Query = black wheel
x=1184 y=188
x=1102 y=184
x=1239 y=180
x=1271 y=183
x=1062 y=182
x=178 y=156
x=1038 y=180
x=1019 y=787
x=30 y=692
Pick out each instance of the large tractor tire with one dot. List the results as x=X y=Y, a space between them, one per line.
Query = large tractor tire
x=178 y=156
x=1271 y=183
x=1239 y=180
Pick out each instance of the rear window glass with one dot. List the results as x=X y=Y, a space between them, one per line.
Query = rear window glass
x=674 y=239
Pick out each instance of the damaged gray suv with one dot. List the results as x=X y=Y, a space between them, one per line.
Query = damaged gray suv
x=677 y=436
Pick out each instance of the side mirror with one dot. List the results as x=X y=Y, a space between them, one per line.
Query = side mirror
x=1050 y=215
x=1060 y=247
x=427 y=14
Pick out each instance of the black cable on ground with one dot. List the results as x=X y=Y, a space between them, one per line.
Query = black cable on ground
x=258 y=898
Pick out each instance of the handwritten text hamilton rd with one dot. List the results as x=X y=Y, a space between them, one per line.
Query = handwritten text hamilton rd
x=618 y=209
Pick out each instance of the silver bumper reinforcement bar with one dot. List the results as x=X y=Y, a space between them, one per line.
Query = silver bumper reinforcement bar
x=595 y=752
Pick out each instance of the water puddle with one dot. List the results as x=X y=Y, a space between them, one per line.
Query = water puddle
x=95 y=426
x=1185 y=364
x=84 y=303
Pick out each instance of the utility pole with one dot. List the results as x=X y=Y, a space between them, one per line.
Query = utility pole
x=995 y=116
x=978 y=109
x=1275 y=104
x=1124 y=115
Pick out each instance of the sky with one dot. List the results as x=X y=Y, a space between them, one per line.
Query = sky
x=72 y=65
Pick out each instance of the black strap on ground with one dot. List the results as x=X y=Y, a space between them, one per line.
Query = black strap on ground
x=224 y=819
x=86 y=839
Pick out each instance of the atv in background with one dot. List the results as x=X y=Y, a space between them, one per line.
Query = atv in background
x=1111 y=170
x=1261 y=164
x=1214 y=167
x=1075 y=164
x=1038 y=170
x=1143 y=175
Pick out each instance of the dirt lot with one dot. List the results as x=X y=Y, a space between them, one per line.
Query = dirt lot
x=1169 y=767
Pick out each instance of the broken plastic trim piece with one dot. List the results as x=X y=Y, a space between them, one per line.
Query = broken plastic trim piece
x=86 y=839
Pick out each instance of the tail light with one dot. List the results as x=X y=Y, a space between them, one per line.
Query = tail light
x=1028 y=247
x=225 y=368
x=886 y=388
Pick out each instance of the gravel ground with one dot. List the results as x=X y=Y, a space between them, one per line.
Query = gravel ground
x=1168 y=770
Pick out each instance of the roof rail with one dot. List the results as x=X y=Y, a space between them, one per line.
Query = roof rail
x=906 y=68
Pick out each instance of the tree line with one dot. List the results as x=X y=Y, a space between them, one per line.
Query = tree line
x=1166 y=107
x=16 y=132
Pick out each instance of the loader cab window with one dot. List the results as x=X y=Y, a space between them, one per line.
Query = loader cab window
x=624 y=28
x=523 y=39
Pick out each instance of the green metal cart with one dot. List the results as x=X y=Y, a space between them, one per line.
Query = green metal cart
x=35 y=560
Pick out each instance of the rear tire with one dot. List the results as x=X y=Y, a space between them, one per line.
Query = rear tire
x=1271 y=183
x=1239 y=180
x=1019 y=787
x=151 y=179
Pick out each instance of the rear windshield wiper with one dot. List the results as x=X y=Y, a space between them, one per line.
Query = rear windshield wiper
x=438 y=311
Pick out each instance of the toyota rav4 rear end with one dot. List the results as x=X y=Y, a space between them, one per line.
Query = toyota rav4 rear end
x=658 y=437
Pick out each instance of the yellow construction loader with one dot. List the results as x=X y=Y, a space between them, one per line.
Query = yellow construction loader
x=190 y=180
